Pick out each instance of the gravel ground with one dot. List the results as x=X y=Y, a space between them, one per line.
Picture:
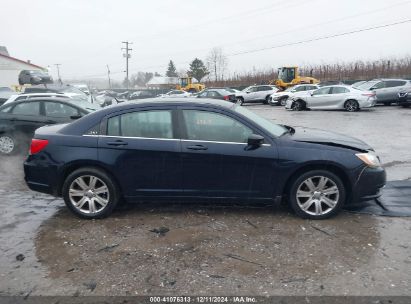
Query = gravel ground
x=172 y=248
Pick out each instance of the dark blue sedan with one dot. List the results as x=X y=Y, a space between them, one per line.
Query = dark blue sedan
x=195 y=150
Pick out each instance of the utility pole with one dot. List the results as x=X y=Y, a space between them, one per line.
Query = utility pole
x=108 y=74
x=127 y=55
x=58 y=71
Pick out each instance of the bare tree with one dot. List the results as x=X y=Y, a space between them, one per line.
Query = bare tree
x=217 y=63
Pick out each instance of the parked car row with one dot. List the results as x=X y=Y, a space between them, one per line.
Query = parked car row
x=363 y=94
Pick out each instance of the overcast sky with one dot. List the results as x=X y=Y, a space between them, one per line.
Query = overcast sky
x=85 y=35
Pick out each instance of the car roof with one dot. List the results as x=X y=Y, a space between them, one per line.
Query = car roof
x=388 y=79
x=173 y=101
x=45 y=93
x=59 y=99
x=337 y=85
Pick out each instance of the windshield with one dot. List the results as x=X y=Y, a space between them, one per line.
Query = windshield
x=85 y=104
x=290 y=89
x=274 y=129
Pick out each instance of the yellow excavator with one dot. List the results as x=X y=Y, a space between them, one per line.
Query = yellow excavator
x=186 y=84
x=289 y=76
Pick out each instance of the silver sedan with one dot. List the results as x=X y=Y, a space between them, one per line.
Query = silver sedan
x=332 y=98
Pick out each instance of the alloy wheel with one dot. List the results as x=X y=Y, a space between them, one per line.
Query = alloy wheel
x=6 y=144
x=239 y=101
x=351 y=106
x=89 y=194
x=297 y=106
x=317 y=195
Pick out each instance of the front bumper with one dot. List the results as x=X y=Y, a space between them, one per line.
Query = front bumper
x=404 y=99
x=368 y=185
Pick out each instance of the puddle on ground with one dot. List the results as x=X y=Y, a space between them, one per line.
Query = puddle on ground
x=203 y=248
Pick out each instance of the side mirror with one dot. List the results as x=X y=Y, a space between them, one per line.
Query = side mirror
x=372 y=89
x=248 y=92
x=255 y=140
x=75 y=116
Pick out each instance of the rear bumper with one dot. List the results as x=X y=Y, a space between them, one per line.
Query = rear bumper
x=39 y=177
x=369 y=184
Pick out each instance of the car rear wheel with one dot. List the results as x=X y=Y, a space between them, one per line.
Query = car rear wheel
x=90 y=193
x=297 y=106
x=240 y=101
x=8 y=144
x=351 y=105
x=317 y=194
x=267 y=99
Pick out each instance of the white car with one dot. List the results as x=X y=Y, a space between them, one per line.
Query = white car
x=175 y=93
x=35 y=95
x=259 y=93
x=280 y=98
x=332 y=98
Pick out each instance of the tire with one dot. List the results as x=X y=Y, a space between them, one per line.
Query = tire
x=297 y=106
x=387 y=103
x=267 y=98
x=405 y=106
x=240 y=101
x=282 y=101
x=351 y=105
x=79 y=188
x=8 y=144
x=318 y=205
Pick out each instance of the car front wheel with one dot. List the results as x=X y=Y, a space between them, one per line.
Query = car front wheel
x=317 y=194
x=90 y=193
x=282 y=101
x=240 y=101
x=297 y=106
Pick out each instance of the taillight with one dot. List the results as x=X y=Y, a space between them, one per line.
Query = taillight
x=37 y=145
x=227 y=97
x=369 y=94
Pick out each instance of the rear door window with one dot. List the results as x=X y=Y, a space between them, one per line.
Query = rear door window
x=27 y=108
x=59 y=110
x=322 y=91
x=339 y=90
x=394 y=83
x=147 y=124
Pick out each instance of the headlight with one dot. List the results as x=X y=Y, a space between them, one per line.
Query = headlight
x=370 y=159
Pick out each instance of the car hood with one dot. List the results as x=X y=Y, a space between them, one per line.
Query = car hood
x=317 y=136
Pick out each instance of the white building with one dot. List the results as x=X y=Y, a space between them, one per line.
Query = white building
x=10 y=68
x=160 y=82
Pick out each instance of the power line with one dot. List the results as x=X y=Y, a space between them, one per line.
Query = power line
x=320 y=38
x=319 y=24
x=296 y=43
